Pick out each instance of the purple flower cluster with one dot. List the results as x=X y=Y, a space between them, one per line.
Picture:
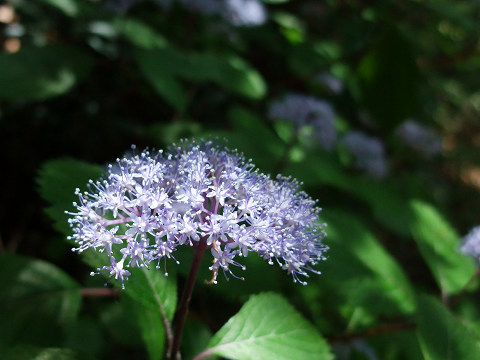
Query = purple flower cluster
x=304 y=110
x=199 y=195
x=419 y=138
x=471 y=243
x=368 y=152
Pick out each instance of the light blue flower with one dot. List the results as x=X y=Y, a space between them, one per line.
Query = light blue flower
x=471 y=243
x=303 y=110
x=368 y=152
x=419 y=138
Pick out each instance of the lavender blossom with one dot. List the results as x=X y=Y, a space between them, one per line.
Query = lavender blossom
x=202 y=196
x=471 y=243
x=303 y=111
x=419 y=138
x=368 y=152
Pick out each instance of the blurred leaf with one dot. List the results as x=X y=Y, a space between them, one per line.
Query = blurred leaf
x=161 y=133
x=57 y=181
x=139 y=33
x=441 y=335
x=38 y=73
x=389 y=204
x=263 y=146
x=85 y=337
x=322 y=168
x=37 y=300
x=371 y=278
x=162 y=68
x=389 y=80
x=268 y=327
x=439 y=243
x=234 y=74
x=68 y=7
x=161 y=78
x=28 y=352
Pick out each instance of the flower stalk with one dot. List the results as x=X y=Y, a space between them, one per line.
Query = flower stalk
x=182 y=312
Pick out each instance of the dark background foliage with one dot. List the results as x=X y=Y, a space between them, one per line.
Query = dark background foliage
x=81 y=81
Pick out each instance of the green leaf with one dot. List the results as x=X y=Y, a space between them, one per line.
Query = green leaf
x=57 y=181
x=441 y=335
x=153 y=67
x=28 y=352
x=264 y=147
x=163 y=67
x=38 y=73
x=139 y=33
x=152 y=289
x=68 y=7
x=151 y=326
x=234 y=74
x=153 y=298
x=438 y=243
x=372 y=280
x=37 y=300
x=268 y=327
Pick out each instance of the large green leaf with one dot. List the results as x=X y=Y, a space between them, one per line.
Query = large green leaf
x=152 y=67
x=268 y=327
x=438 y=243
x=37 y=300
x=38 y=73
x=57 y=180
x=441 y=335
x=372 y=281
x=164 y=67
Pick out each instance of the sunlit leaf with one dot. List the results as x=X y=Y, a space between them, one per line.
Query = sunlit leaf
x=268 y=327
x=139 y=33
x=439 y=244
x=371 y=278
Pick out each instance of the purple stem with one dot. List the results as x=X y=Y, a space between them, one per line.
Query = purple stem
x=182 y=311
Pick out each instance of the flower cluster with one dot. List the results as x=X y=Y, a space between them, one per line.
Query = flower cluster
x=419 y=138
x=199 y=195
x=235 y=12
x=471 y=243
x=368 y=152
x=304 y=110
